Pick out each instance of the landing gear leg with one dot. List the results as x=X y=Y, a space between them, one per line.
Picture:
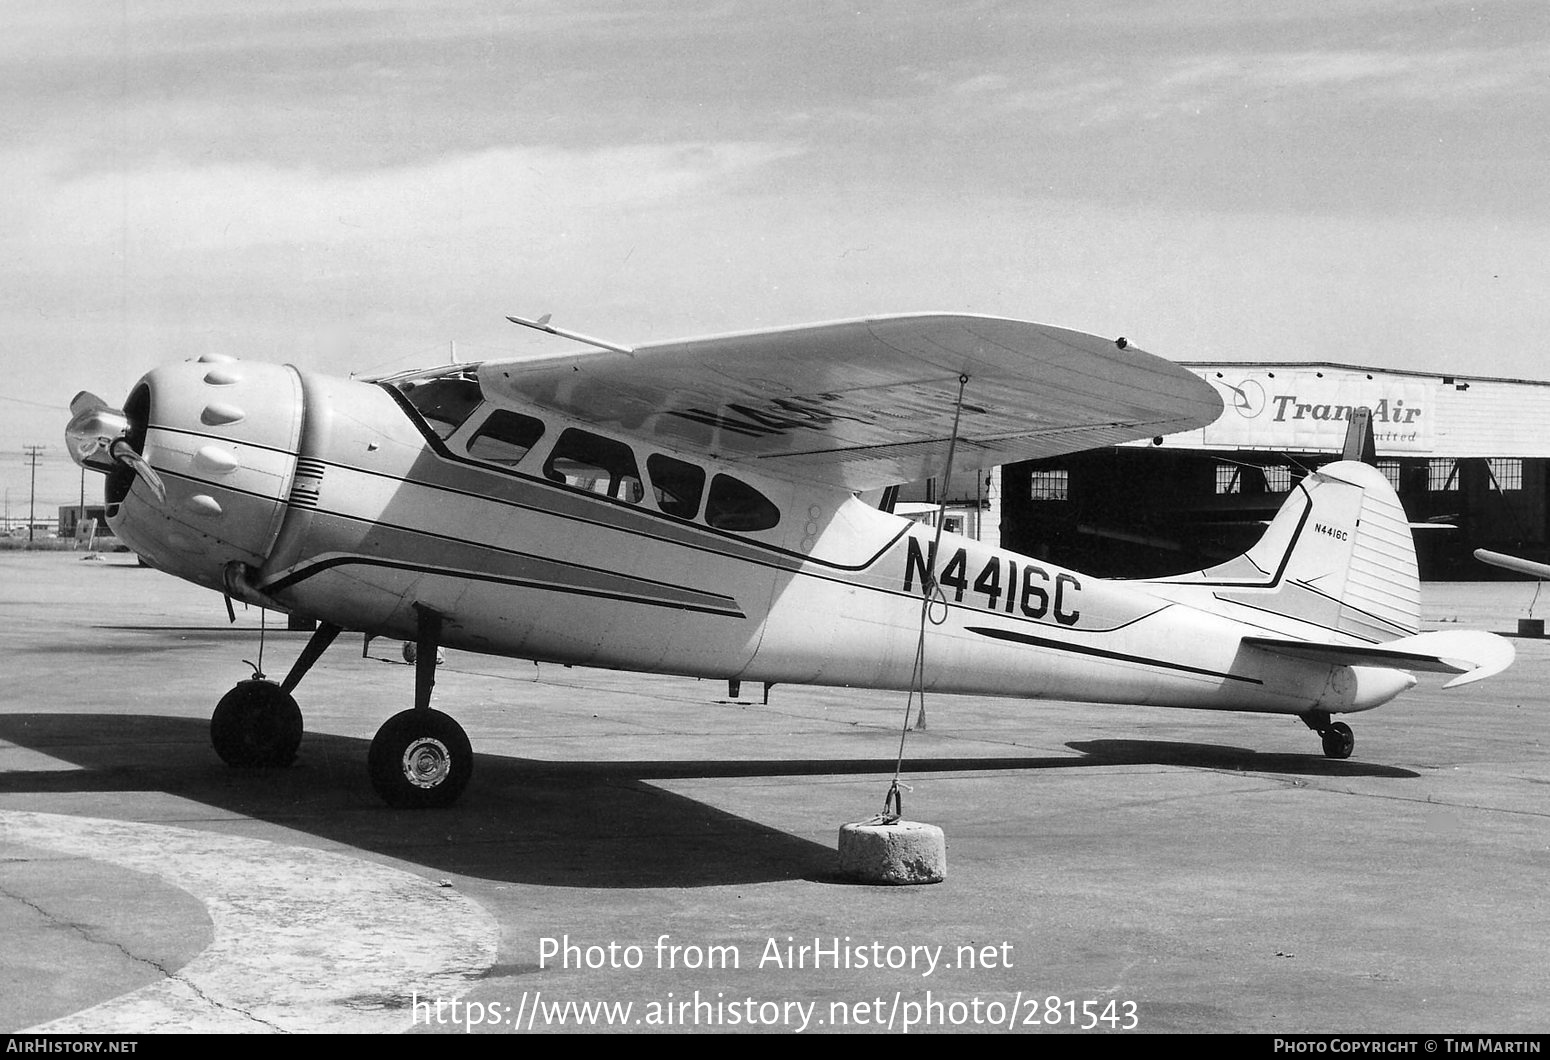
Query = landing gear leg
x=257 y=723
x=421 y=758
x=1339 y=741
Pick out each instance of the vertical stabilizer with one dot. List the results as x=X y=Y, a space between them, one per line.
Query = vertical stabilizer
x=1338 y=555
x=1359 y=441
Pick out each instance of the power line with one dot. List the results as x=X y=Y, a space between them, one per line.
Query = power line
x=34 y=404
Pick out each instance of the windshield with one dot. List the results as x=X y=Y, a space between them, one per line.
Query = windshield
x=444 y=400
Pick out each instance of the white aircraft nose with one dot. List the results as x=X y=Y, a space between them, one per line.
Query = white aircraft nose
x=224 y=439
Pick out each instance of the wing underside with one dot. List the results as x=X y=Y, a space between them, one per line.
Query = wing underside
x=867 y=403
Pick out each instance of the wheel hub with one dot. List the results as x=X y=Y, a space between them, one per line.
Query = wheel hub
x=427 y=762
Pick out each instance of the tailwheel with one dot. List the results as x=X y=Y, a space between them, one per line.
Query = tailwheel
x=1339 y=740
x=420 y=759
x=257 y=723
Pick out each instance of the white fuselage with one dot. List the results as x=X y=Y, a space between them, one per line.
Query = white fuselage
x=354 y=511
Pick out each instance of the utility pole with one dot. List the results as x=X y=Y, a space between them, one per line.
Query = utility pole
x=32 y=452
x=80 y=512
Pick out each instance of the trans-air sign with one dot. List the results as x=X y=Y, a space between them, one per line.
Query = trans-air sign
x=1308 y=409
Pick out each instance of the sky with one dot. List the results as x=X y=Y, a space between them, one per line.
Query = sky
x=361 y=185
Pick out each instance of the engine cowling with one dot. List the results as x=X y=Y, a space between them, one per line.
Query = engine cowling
x=222 y=436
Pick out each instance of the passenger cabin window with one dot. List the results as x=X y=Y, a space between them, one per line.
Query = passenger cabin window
x=445 y=402
x=677 y=485
x=600 y=465
x=505 y=438
x=735 y=505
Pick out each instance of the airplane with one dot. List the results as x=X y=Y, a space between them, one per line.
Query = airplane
x=1514 y=563
x=694 y=507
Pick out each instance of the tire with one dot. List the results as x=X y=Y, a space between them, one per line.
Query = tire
x=420 y=759
x=1339 y=740
x=256 y=724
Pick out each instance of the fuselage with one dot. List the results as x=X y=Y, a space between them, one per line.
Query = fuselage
x=539 y=537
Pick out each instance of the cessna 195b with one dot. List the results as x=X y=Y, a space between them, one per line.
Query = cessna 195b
x=692 y=508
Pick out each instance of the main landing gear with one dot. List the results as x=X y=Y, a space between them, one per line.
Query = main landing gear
x=1339 y=740
x=420 y=758
x=258 y=723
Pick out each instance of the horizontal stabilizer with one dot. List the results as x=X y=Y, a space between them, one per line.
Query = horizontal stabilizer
x=1470 y=653
x=1513 y=563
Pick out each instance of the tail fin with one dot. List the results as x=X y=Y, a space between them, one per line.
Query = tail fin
x=1338 y=555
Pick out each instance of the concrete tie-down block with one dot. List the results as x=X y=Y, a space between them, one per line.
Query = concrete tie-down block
x=898 y=852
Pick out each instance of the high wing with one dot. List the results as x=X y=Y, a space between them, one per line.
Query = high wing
x=865 y=403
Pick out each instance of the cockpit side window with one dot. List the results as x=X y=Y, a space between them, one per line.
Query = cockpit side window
x=735 y=505
x=505 y=438
x=597 y=464
x=445 y=402
x=677 y=485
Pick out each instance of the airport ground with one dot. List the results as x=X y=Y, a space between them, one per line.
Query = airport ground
x=650 y=842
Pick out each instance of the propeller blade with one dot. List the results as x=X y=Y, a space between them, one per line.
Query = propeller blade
x=95 y=427
x=123 y=452
x=86 y=400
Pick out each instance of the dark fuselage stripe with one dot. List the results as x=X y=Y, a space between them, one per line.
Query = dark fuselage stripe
x=1103 y=653
x=307 y=570
x=481 y=576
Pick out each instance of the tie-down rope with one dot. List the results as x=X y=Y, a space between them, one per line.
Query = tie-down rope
x=930 y=593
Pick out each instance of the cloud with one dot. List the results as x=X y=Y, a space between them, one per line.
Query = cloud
x=1075 y=93
x=1449 y=75
x=167 y=211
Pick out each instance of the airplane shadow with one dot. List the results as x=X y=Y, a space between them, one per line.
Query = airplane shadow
x=568 y=824
x=1208 y=756
x=519 y=821
x=1094 y=752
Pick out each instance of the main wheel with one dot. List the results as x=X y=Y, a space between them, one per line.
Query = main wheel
x=256 y=724
x=1339 y=740
x=419 y=759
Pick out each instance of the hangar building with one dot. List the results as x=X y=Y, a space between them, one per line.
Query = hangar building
x=1468 y=456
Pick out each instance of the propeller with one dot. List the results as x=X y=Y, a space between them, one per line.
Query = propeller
x=96 y=427
x=93 y=426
